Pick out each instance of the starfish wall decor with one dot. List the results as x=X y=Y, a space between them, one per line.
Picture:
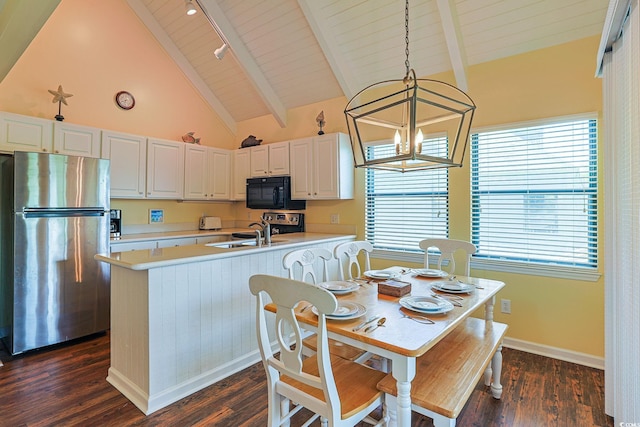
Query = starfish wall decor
x=60 y=97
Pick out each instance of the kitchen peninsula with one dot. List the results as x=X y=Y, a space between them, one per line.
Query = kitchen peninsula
x=183 y=318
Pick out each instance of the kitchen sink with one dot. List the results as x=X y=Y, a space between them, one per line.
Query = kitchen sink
x=244 y=243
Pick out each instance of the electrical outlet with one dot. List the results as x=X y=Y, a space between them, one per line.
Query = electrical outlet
x=249 y=215
x=335 y=219
x=505 y=306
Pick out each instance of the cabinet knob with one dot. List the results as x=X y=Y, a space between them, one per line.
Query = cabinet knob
x=44 y=149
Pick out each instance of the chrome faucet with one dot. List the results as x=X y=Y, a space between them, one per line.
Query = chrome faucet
x=265 y=230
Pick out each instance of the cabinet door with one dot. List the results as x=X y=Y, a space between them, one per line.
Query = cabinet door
x=133 y=246
x=302 y=173
x=333 y=167
x=259 y=161
x=165 y=169
x=24 y=133
x=75 y=140
x=195 y=172
x=219 y=174
x=279 y=158
x=169 y=243
x=241 y=171
x=128 y=163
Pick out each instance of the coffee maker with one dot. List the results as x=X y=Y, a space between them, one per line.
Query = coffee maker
x=116 y=223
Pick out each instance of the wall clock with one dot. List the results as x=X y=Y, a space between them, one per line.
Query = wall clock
x=125 y=100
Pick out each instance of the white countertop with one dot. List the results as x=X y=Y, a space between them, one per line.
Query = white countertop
x=162 y=257
x=140 y=237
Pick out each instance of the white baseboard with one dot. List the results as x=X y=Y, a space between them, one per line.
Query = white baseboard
x=555 y=353
x=151 y=403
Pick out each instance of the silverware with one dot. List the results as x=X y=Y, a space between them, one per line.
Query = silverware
x=365 y=323
x=374 y=327
x=419 y=319
x=453 y=301
x=306 y=307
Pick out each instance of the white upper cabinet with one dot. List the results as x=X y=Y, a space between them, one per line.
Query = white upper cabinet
x=270 y=159
x=195 y=172
x=165 y=169
x=219 y=180
x=24 y=133
x=76 y=140
x=241 y=171
x=128 y=155
x=301 y=151
x=207 y=173
x=322 y=168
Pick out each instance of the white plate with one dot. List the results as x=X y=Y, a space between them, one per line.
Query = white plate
x=346 y=311
x=382 y=274
x=339 y=287
x=429 y=305
x=452 y=287
x=430 y=272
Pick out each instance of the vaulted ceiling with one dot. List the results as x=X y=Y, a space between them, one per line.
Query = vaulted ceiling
x=288 y=53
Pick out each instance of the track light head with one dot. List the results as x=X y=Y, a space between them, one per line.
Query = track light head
x=219 y=52
x=191 y=9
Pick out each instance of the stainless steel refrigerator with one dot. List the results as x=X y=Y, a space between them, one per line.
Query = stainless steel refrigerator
x=55 y=218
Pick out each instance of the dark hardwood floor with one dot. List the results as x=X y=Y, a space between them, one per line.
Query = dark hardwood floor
x=65 y=386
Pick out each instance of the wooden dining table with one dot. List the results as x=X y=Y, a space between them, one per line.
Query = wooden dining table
x=400 y=339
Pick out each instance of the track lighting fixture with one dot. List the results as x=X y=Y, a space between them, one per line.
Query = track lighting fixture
x=191 y=9
x=219 y=52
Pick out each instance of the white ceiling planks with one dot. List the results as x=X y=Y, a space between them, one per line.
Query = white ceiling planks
x=289 y=53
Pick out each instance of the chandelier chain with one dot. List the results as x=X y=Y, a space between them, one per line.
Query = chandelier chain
x=406 y=37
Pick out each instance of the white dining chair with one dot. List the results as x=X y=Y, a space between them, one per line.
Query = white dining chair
x=302 y=264
x=305 y=261
x=347 y=256
x=341 y=392
x=448 y=248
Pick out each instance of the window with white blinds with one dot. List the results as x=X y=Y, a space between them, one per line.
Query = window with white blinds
x=404 y=208
x=534 y=193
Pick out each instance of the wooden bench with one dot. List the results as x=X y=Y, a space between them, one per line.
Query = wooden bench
x=447 y=374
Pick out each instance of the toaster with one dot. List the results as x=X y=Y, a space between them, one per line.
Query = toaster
x=210 y=223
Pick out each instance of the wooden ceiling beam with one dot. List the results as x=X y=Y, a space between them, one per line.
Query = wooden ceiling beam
x=453 y=37
x=237 y=48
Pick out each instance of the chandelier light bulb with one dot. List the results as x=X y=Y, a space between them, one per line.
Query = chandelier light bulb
x=418 y=140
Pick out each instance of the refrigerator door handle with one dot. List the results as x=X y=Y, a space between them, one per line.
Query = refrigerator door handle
x=62 y=212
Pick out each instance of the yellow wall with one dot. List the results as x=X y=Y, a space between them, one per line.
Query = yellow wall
x=93 y=48
x=560 y=313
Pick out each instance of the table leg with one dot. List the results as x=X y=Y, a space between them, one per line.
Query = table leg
x=403 y=370
x=496 y=365
x=488 y=309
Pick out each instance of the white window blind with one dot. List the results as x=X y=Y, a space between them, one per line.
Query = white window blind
x=404 y=208
x=534 y=193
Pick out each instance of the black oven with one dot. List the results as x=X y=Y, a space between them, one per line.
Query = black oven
x=272 y=193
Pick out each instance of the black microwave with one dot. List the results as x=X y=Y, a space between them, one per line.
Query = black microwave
x=272 y=193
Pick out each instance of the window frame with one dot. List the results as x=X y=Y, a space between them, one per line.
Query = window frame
x=548 y=269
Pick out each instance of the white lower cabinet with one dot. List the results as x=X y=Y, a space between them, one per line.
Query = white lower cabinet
x=133 y=246
x=183 y=241
x=165 y=169
x=128 y=156
x=322 y=168
x=213 y=239
x=24 y=133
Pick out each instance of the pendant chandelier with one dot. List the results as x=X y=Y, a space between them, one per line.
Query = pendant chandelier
x=424 y=124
